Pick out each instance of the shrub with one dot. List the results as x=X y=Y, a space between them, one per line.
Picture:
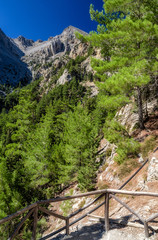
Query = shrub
x=148 y=145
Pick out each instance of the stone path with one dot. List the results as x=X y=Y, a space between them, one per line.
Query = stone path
x=96 y=232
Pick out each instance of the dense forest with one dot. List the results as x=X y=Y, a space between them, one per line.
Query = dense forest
x=48 y=140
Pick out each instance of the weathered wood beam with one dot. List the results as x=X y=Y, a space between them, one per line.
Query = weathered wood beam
x=133 y=175
x=67 y=226
x=133 y=193
x=35 y=223
x=146 y=229
x=75 y=221
x=59 y=199
x=113 y=191
x=49 y=212
x=128 y=208
x=107 y=212
x=10 y=217
x=20 y=225
x=152 y=217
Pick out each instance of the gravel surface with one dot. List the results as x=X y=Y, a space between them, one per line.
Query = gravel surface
x=96 y=232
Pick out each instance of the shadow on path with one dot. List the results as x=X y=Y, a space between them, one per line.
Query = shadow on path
x=90 y=232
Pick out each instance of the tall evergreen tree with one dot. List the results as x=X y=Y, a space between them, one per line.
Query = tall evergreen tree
x=79 y=146
x=127 y=36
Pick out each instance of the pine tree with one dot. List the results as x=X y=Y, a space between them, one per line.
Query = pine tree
x=78 y=147
x=127 y=36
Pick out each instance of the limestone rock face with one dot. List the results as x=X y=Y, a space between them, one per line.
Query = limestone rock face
x=42 y=51
x=42 y=56
x=23 y=42
x=23 y=59
x=12 y=69
x=127 y=117
x=92 y=87
x=86 y=65
x=66 y=77
x=153 y=170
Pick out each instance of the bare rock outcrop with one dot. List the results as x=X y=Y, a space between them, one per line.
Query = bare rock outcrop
x=128 y=117
x=12 y=69
x=23 y=43
x=66 y=77
x=42 y=56
x=42 y=51
x=152 y=174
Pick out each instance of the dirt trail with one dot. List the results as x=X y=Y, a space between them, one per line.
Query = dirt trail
x=96 y=231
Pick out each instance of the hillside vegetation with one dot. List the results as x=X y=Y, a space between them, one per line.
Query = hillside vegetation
x=49 y=136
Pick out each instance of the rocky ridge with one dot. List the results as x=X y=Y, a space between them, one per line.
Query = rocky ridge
x=12 y=69
x=23 y=59
x=43 y=56
x=45 y=51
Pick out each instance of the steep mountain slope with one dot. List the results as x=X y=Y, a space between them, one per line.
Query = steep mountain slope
x=58 y=44
x=112 y=176
x=12 y=69
x=23 y=43
x=52 y=131
x=44 y=51
x=20 y=57
x=46 y=58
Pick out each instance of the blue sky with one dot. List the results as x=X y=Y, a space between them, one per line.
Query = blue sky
x=40 y=19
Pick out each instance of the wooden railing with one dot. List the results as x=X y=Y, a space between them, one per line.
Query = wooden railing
x=108 y=193
x=34 y=208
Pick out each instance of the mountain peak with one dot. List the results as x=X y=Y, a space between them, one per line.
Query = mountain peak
x=22 y=42
x=71 y=30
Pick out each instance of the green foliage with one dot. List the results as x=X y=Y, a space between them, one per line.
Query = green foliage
x=78 y=152
x=117 y=134
x=127 y=167
x=148 y=145
x=73 y=67
x=46 y=142
x=123 y=36
x=56 y=74
x=66 y=206
x=36 y=67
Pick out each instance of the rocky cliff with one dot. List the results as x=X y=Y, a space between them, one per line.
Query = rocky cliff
x=23 y=59
x=46 y=58
x=12 y=69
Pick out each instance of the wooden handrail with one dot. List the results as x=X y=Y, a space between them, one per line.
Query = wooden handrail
x=59 y=199
x=126 y=206
x=52 y=213
x=112 y=191
x=20 y=224
x=35 y=223
x=152 y=218
x=14 y=215
x=133 y=193
x=108 y=193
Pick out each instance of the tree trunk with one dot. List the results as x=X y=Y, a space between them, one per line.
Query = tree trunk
x=140 y=109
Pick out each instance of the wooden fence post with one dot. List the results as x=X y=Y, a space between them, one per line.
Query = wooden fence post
x=67 y=226
x=107 y=212
x=146 y=229
x=35 y=223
